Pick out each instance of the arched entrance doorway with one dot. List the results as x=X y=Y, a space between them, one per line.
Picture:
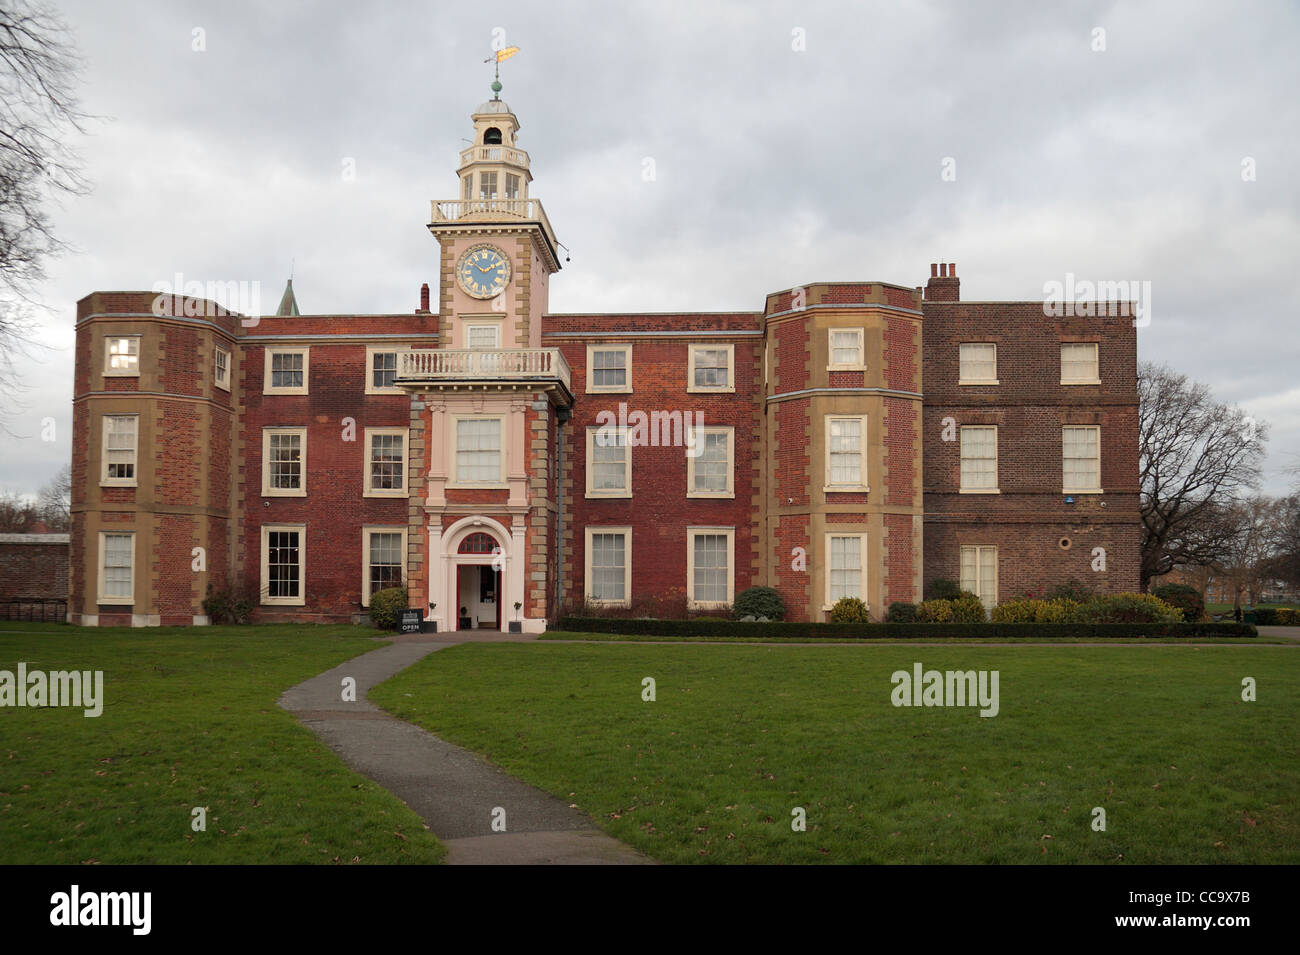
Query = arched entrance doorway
x=478 y=583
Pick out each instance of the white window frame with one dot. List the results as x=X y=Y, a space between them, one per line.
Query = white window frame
x=961 y=456
x=102 y=582
x=862 y=569
x=692 y=388
x=592 y=490
x=264 y=591
x=1081 y=490
x=691 y=534
x=104 y=479
x=860 y=364
x=626 y=387
x=484 y=194
x=366 y=533
x=267 y=490
x=453 y=478
x=218 y=379
x=626 y=533
x=696 y=436
x=268 y=388
x=371 y=433
x=371 y=352
x=962 y=379
x=1096 y=364
x=862 y=454
x=131 y=337
x=978 y=550
x=494 y=324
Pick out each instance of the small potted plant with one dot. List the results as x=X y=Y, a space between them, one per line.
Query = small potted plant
x=515 y=625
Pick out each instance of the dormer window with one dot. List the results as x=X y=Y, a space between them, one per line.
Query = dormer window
x=492 y=137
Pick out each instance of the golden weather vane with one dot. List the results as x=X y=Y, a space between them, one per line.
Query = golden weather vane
x=497 y=57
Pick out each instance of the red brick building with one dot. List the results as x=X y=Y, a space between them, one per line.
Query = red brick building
x=506 y=462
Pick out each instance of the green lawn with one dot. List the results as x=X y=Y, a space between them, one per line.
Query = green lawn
x=1158 y=736
x=878 y=641
x=190 y=720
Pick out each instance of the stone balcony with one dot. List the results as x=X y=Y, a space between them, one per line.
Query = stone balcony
x=475 y=368
x=454 y=211
x=494 y=153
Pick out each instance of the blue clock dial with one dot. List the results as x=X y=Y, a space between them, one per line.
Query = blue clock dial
x=483 y=271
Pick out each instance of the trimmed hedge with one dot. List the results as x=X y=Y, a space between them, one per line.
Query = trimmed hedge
x=896 y=631
x=1277 y=617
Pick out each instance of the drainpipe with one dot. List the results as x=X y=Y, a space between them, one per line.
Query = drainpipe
x=561 y=416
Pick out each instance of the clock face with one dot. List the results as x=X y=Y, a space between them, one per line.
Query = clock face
x=483 y=271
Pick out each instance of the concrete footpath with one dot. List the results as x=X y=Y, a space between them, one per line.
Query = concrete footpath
x=452 y=789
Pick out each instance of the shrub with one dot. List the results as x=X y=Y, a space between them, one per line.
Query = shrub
x=1288 y=616
x=1057 y=610
x=1266 y=617
x=849 y=610
x=1071 y=590
x=225 y=606
x=386 y=607
x=780 y=630
x=968 y=609
x=1127 y=608
x=759 y=602
x=943 y=589
x=934 y=611
x=901 y=612
x=1186 y=598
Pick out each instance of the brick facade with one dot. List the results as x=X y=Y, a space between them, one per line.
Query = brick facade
x=843 y=468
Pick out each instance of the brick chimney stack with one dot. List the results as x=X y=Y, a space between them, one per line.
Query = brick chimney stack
x=944 y=286
x=424 y=298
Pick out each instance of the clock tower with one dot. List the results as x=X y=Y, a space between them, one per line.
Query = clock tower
x=489 y=403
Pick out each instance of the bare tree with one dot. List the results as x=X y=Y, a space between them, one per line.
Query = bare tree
x=55 y=500
x=38 y=111
x=1250 y=561
x=1196 y=456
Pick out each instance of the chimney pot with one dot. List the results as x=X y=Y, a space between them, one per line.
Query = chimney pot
x=934 y=270
x=952 y=270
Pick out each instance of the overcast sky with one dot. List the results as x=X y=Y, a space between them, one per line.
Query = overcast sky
x=791 y=143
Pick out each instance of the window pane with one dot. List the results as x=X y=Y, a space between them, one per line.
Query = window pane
x=846 y=568
x=978 y=362
x=286 y=461
x=487 y=185
x=846 y=451
x=124 y=354
x=844 y=348
x=711 y=368
x=512 y=186
x=478 y=451
x=979 y=454
x=385 y=561
x=383 y=369
x=609 y=461
x=282 y=564
x=286 y=370
x=1079 y=362
x=117 y=565
x=481 y=336
x=609 y=369
x=711 y=567
x=711 y=464
x=119 y=447
x=386 y=462
x=1080 y=462
x=608 y=563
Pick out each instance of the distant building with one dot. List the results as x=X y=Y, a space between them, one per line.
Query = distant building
x=847 y=439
